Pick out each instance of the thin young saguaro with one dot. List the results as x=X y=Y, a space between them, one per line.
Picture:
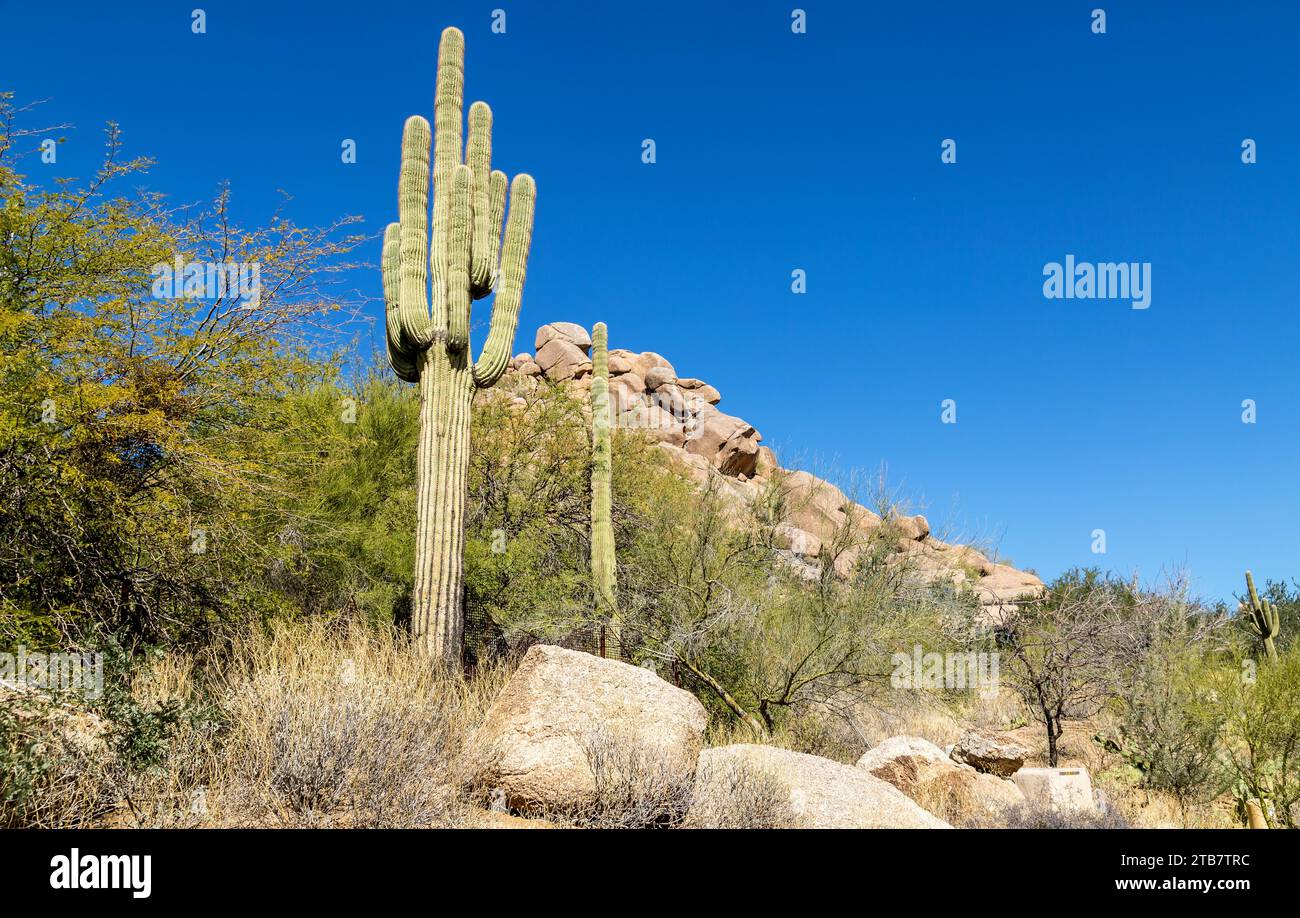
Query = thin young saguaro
x=603 y=570
x=430 y=282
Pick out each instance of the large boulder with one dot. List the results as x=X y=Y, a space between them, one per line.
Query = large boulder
x=819 y=507
x=1058 y=790
x=626 y=392
x=568 y=331
x=646 y=361
x=1005 y=584
x=730 y=444
x=659 y=376
x=823 y=794
x=992 y=753
x=655 y=421
x=539 y=731
x=561 y=359
x=956 y=792
x=912 y=528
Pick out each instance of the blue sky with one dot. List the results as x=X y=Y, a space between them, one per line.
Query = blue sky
x=821 y=151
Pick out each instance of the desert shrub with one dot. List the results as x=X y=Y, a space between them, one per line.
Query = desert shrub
x=1258 y=705
x=634 y=787
x=53 y=763
x=347 y=727
x=1029 y=816
x=742 y=798
x=125 y=755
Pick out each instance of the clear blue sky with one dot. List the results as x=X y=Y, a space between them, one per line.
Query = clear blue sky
x=822 y=151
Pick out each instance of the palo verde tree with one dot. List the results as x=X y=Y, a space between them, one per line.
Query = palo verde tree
x=429 y=285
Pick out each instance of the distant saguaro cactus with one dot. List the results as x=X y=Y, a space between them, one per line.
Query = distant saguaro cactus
x=429 y=285
x=603 y=570
x=1263 y=618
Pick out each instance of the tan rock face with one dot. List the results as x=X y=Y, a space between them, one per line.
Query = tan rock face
x=813 y=505
x=558 y=700
x=670 y=399
x=700 y=389
x=729 y=443
x=708 y=394
x=561 y=359
x=626 y=392
x=1006 y=584
x=659 y=376
x=646 y=361
x=657 y=423
x=568 y=331
x=921 y=770
x=823 y=794
x=913 y=528
x=802 y=543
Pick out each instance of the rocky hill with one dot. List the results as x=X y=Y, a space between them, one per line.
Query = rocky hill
x=707 y=444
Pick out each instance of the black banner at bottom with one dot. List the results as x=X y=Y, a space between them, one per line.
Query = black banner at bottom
x=336 y=867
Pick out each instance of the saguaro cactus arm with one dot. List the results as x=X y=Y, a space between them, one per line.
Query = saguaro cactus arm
x=400 y=357
x=495 y=356
x=1263 y=618
x=430 y=305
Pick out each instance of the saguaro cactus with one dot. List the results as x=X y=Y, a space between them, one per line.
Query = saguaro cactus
x=429 y=285
x=603 y=574
x=1263 y=619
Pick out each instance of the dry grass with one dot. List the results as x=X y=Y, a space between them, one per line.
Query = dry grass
x=741 y=798
x=350 y=729
x=305 y=725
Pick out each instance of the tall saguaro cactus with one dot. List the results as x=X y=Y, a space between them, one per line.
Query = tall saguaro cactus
x=603 y=574
x=1263 y=618
x=429 y=285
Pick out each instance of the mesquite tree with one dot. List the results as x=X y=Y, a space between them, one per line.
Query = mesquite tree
x=429 y=284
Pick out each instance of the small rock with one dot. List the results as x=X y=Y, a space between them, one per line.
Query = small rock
x=992 y=753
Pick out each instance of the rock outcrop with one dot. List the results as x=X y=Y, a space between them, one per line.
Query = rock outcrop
x=823 y=794
x=681 y=413
x=997 y=754
x=954 y=791
x=538 y=732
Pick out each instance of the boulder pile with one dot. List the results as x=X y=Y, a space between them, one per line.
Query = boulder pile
x=681 y=413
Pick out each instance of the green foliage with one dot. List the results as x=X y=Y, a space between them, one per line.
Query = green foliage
x=138 y=432
x=1166 y=733
x=1258 y=705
